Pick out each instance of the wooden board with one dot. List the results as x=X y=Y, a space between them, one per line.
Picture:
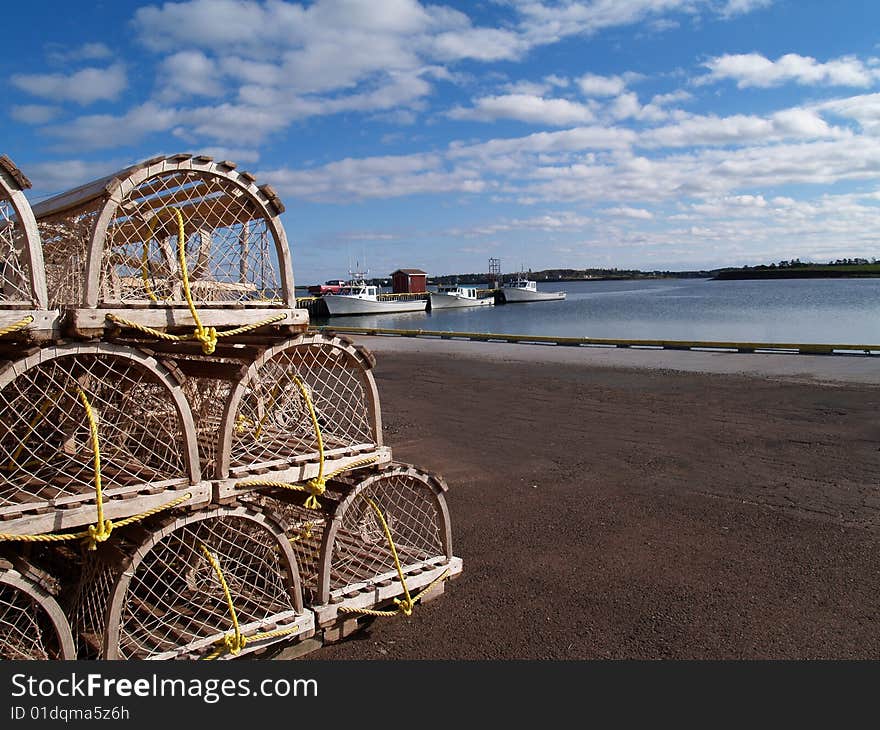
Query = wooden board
x=226 y=489
x=35 y=520
x=372 y=595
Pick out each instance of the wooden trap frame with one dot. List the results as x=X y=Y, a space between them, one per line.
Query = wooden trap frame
x=300 y=411
x=24 y=312
x=32 y=624
x=169 y=245
x=215 y=584
x=56 y=404
x=349 y=565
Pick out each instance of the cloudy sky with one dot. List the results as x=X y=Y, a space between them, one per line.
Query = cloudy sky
x=652 y=134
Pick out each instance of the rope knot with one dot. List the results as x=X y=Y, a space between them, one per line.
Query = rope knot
x=234 y=643
x=316 y=488
x=208 y=337
x=98 y=533
x=404 y=605
x=242 y=423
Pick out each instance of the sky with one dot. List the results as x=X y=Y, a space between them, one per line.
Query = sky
x=648 y=134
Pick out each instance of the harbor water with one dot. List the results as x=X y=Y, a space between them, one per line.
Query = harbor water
x=830 y=311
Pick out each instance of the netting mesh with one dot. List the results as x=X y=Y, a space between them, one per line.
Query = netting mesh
x=360 y=549
x=305 y=531
x=272 y=420
x=230 y=252
x=26 y=631
x=174 y=603
x=65 y=252
x=14 y=270
x=207 y=398
x=46 y=452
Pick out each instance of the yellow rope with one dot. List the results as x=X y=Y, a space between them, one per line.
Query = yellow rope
x=405 y=605
x=194 y=336
x=207 y=336
x=86 y=535
x=235 y=642
x=309 y=486
x=16 y=326
x=317 y=485
x=100 y=531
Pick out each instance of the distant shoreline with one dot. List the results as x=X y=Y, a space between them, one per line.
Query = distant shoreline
x=798 y=273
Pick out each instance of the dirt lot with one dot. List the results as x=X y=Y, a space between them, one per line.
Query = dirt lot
x=614 y=512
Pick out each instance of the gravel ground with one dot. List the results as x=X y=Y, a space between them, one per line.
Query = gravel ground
x=626 y=508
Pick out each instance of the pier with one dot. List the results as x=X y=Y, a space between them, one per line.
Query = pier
x=702 y=346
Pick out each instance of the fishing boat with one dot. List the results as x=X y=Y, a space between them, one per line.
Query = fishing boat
x=454 y=296
x=358 y=297
x=523 y=289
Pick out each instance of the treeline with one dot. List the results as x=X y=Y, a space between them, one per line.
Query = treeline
x=797 y=269
x=557 y=275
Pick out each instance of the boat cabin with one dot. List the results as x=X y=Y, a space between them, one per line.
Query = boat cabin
x=522 y=283
x=360 y=290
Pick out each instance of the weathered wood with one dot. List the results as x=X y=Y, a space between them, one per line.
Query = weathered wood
x=12 y=184
x=82 y=322
x=47 y=603
x=297 y=474
x=333 y=530
x=287 y=561
x=30 y=516
x=72 y=514
x=327 y=614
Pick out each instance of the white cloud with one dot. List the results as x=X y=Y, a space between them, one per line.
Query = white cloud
x=740 y=7
x=481 y=44
x=34 y=113
x=594 y=85
x=374 y=177
x=86 y=52
x=578 y=139
x=755 y=70
x=54 y=176
x=634 y=213
x=186 y=74
x=865 y=109
x=740 y=129
x=83 y=87
x=98 y=131
x=525 y=108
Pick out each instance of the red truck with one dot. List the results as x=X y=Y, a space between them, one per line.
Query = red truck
x=328 y=287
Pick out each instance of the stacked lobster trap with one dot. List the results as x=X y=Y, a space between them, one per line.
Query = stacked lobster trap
x=186 y=470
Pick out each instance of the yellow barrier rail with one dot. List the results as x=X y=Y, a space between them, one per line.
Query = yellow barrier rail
x=775 y=347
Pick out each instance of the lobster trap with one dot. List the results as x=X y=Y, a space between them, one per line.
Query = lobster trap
x=214 y=584
x=32 y=624
x=302 y=410
x=168 y=245
x=90 y=433
x=23 y=299
x=380 y=539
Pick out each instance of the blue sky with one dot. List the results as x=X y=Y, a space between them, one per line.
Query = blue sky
x=652 y=134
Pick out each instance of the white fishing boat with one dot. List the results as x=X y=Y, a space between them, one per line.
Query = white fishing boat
x=358 y=297
x=454 y=296
x=523 y=289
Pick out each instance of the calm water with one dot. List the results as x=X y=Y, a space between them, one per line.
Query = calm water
x=838 y=311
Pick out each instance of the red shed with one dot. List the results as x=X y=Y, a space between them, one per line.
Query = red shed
x=409 y=281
